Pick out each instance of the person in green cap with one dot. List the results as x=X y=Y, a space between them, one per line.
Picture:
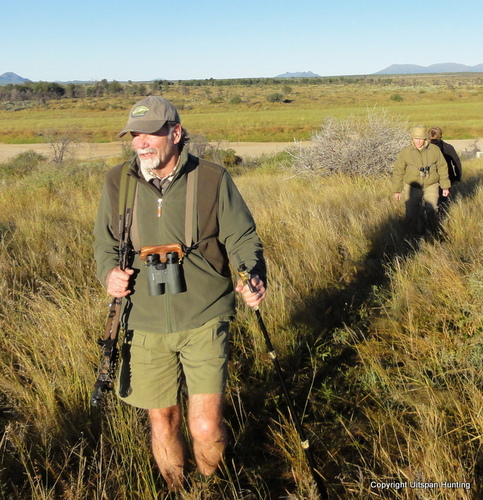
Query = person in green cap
x=419 y=172
x=185 y=203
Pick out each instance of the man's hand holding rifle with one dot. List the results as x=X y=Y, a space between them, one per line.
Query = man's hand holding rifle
x=117 y=282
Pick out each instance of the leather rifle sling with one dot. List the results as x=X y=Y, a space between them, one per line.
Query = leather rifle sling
x=190 y=208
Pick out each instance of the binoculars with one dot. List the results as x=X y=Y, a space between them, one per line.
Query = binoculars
x=424 y=171
x=164 y=275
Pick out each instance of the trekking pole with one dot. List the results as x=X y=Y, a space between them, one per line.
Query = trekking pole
x=246 y=278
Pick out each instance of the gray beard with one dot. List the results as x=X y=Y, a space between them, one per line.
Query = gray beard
x=148 y=164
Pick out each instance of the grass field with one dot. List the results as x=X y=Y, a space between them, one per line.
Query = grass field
x=380 y=339
x=453 y=102
x=379 y=334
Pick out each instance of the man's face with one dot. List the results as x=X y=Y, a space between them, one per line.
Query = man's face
x=419 y=143
x=157 y=151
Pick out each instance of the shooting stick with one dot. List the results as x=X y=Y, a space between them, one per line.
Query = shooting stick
x=246 y=278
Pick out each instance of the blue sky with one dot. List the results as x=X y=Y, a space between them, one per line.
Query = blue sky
x=195 y=39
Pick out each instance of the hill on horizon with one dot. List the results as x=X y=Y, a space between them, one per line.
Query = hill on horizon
x=395 y=69
x=411 y=69
x=11 y=77
x=298 y=74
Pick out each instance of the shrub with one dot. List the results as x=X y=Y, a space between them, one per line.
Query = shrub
x=64 y=143
x=22 y=164
x=355 y=146
x=397 y=97
x=226 y=157
x=199 y=146
x=275 y=97
x=287 y=89
x=236 y=100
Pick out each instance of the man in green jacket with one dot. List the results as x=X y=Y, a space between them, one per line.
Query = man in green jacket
x=419 y=172
x=185 y=332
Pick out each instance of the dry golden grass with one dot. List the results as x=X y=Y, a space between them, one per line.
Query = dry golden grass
x=380 y=340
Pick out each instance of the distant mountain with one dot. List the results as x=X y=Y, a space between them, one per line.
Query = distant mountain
x=304 y=74
x=412 y=69
x=9 y=77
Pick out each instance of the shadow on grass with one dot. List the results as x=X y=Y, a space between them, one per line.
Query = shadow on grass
x=328 y=310
x=320 y=316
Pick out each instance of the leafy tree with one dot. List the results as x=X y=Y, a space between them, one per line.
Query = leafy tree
x=115 y=87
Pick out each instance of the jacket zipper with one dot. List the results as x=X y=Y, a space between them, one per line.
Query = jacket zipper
x=167 y=299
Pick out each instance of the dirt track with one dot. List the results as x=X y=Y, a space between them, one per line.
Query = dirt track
x=243 y=149
x=112 y=149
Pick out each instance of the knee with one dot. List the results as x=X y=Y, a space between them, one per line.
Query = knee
x=207 y=430
x=165 y=421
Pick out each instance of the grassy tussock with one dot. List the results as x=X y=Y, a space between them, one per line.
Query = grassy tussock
x=379 y=337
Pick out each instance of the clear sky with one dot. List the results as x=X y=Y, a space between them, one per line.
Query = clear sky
x=56 y=40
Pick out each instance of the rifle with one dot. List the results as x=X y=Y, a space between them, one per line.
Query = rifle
x=109 y=355
x=304 y=442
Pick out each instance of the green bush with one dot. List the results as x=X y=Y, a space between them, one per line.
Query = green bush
x=275 y=97
x=23 y=164
x=226 y=157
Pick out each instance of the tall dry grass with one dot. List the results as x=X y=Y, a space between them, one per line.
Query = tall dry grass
x=379 y=337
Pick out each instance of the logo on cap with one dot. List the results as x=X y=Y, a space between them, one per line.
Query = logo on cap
x=139 y=111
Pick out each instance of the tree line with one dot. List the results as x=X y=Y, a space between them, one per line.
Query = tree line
x=41 y=92
x=13 y=95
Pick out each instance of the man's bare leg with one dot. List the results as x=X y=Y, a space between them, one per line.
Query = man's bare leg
x=168 y=445
x=205 y=419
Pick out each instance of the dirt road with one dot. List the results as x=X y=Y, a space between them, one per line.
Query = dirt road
x=112 y=149
x=243 y=149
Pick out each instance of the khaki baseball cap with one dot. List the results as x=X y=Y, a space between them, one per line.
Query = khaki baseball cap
x=418 y=133
x=149 y=115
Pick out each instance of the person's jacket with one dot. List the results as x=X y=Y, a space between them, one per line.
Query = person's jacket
x=407 y=168
x=209 y=288
x=455 y=169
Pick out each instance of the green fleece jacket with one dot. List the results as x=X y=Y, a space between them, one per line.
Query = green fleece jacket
x=411 y=159
x=210 y=291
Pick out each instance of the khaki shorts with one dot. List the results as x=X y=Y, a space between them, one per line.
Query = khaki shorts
x=153 y=364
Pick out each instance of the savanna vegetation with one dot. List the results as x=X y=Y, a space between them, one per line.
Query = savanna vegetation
x=379 y=335
x=262 y=110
